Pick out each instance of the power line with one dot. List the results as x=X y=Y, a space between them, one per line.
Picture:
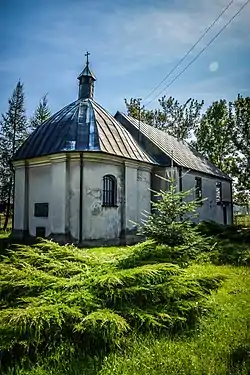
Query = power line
x=190 y=50
x=203 y=49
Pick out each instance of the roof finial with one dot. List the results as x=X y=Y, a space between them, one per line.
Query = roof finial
x=87 y=55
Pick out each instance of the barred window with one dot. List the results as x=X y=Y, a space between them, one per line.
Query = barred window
x=198 y=188
x=109 y=191
x=218 y=193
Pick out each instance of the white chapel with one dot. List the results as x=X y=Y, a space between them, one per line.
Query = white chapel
x=85 y=176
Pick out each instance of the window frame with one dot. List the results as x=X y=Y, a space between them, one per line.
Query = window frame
x=109 y=191
x=41 y=206
x=218 y=188
x=198 y=189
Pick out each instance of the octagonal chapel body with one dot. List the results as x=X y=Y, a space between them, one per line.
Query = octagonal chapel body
x=86 y=176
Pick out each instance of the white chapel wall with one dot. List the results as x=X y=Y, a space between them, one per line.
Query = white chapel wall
x=138 y=195
x=58 y=204
x=143 y=192
x=131 y=198
x=19 y=211
x=209 y=210
x=100 y=222
x=40 y=183
x=74 y=198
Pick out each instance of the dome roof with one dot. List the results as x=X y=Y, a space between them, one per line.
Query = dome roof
x=82 y=126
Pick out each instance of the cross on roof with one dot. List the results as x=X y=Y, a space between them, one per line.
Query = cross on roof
x=87 y=55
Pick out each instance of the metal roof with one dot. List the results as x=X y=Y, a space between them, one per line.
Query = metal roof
x=179 y=151
x=87 y=72
x=82 y=126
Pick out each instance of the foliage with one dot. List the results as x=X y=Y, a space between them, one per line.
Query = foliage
x=218 y=346
x=171 y=219
x=232 y=246
x=180 y=120
x=42 y=113
x=150 y=252
x=233 y=233
x=13 y=132
x=227 y=252
x=59 y=301
x=240 y=119
x=177 y=119
x=214 y=136
x=221 y=134
x=243 y=220
x=242 y=198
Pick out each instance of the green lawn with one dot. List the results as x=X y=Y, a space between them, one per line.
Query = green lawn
x=242 y=220
x=219 y=344
x=2 y=219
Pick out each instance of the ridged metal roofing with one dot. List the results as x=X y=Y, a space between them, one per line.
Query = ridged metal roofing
x=87 y=72
x=82 y=126
x=179 y=151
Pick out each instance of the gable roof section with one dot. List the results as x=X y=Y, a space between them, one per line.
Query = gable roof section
x=179 y=151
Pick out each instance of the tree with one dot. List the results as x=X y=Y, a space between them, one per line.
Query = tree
x=241 y=139
x=176 y=119
x=134 y=109
x=13 y=132
x=214 y=136
x=180 y=119
x=42 y=113
x=171 y=220
x=242 y=198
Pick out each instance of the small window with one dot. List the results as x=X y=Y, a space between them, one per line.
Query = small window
x=198 y=188
x=109 y=191
x=218 y=193
x=40 y=232
x=41 y=210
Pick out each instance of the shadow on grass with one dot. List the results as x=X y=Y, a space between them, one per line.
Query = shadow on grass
x=239 y=359
x=7 y=242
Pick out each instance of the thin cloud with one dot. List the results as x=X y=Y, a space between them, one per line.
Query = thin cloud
x=140 y=40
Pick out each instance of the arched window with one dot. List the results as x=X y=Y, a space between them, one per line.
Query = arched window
x=109 y=191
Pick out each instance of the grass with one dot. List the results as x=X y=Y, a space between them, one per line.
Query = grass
x=144 y=309
x=2 y=219
x=242 y=220
x=220 y=345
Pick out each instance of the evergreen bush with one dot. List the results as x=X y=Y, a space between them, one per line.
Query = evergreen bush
x=59 y=301
x=172 y=219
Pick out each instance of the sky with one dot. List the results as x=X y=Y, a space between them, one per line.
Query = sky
x=133 y=45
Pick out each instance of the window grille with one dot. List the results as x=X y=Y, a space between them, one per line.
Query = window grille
x=218 y=193
x=109 y=191
x=198 y=188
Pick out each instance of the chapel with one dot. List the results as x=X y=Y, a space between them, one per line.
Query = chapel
x=86 y=177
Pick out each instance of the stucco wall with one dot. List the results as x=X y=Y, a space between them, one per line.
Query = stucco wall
x=138 y=195
x=131 y=197
x=40 y=184
x=209 y=210
x=143 y=192
x=100 y=222
x=74 y=198
x=19 y=213
x=58 y=203
x=58 y=184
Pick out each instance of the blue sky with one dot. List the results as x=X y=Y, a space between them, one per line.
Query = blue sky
x=133 y=45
